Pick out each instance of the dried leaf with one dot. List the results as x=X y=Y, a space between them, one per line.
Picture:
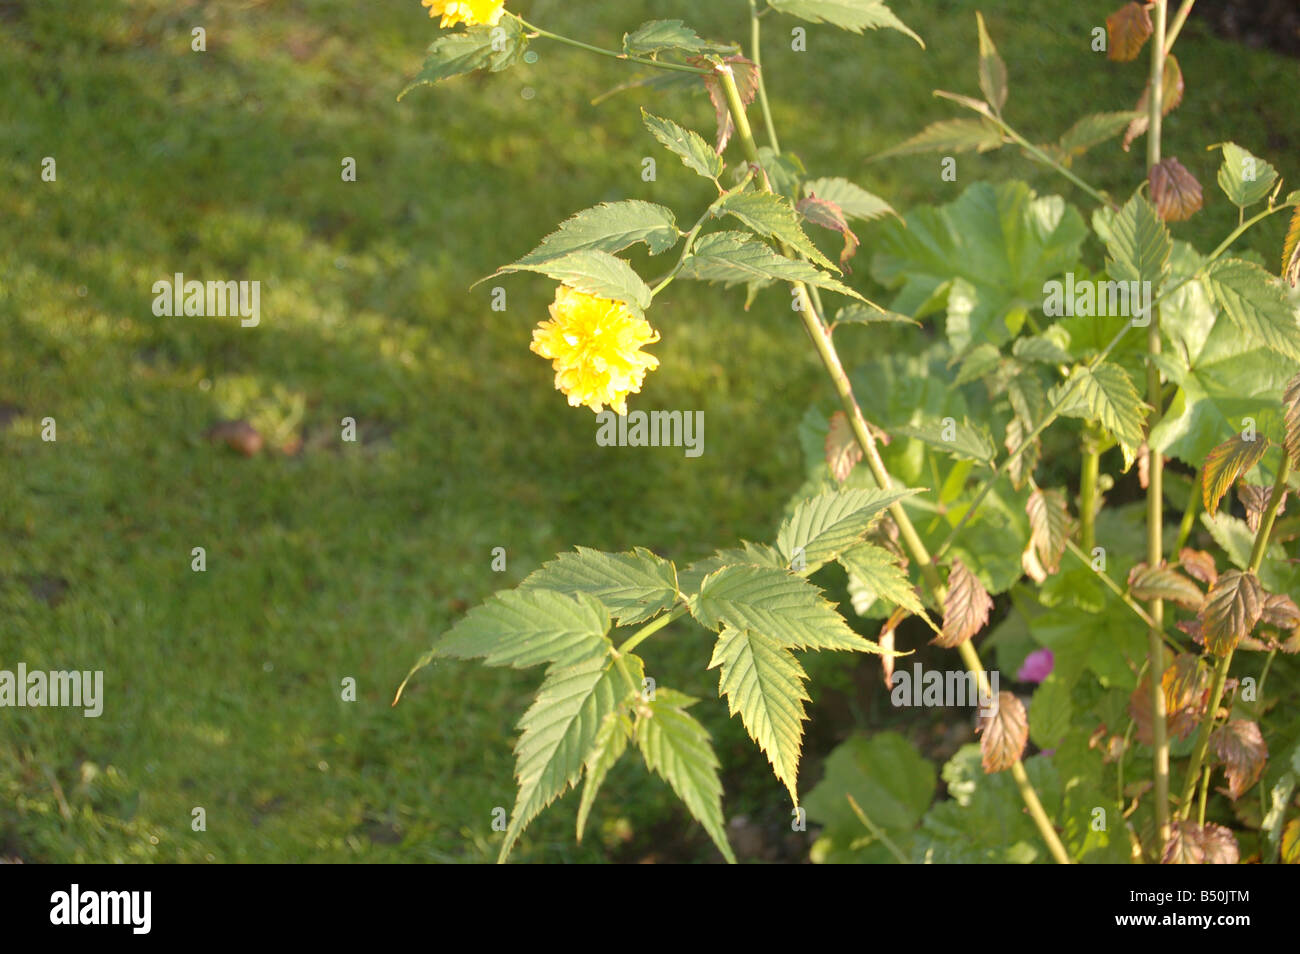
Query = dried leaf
x=1291 y=251
x=965 y=608
x=830 y=216
x=1198 y=564
x=1255 y=499
x=886 y=641
x=1231 y=459
x=1004 y=733
x=1175 y=191
x=1291 y=401
x=1164 y=583
x=1232 y=608
x=1049 y=526
x=1193 y=844
x=1240 y=746
x=1171 y=87
x=1186 y=688
x=1127 y=30
x=842 y=448
x=1280 y=610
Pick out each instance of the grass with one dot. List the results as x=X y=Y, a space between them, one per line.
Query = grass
x=345 y=560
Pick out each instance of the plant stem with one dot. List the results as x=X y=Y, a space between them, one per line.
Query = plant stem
x=756 y=54
x=1189 y=513
x=649 y=629
x=1155 y=469
x=876 y=832
x=1176 y=26
x=821 y=338
x=1225 y=662
x=613 y=54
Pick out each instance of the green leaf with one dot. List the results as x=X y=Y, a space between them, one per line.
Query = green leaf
x=1256 y=304
x=877 y=569
x=949 y=135
x=521 y=628
x=772 y=216
x=755 y=554
x=735 y=258
x=559 y=733
x=453 y=54
x=595 y=273
x=611 y=743
x=696 y=154
x=967 y=442
x=827 y=525
x=634 y=586
x=658 y=36
x=854 y=201
x=1002 y=243
x=1107 y=396
x=993 y=72
x=852 y=15
x=784 y=170
x=1243 y=177
x=1092 y=131
x=779 y=605
x=1040 y=348
x=677 y=748
x=856 y=314
x=609 y=227
x=1050 y=712
x=765 y=683
x=1139 y=243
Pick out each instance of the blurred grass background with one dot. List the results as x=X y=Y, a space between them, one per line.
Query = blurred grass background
x=223 y=688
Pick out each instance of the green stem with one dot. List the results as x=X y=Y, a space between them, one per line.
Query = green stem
x=1205 y=794
x=1091 y=468
x=1189 y=513
x=876 y=832
x=756 y=54
x=649 y=629
x=1225 y=662
x=1155 y=469
x=1176 y=26
x=821 y=338
x=612 y=54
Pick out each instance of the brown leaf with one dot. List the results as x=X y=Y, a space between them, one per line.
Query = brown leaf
x=239 y=436
x=1171 y=87
x=965 y=608
x=1193 y=844
x=1291 y=843
x=1223 y=465
x=1255 y=499
x=746 y=75
x=886 y=641
x=1291 y=251
x=1022 y=468
x=1199 y=564
x=1232 y=608
x=1175 y=191
x=1186 y=688
x=830 y=216
x=842 y=449
x=1049 y=526
x=1164 y=583
x=1004 y=733
x=1291 y=401
x=1127 y=29
x=1240 y=746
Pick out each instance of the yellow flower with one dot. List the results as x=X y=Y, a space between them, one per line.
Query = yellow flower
x=595 y=348
x=469 y=12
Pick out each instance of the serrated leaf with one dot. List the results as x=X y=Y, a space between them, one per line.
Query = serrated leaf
x=949 y=135
x=696 y=154
x=1291 y=251
x=968 y=442
x=842 y=448
x=853 y=200
x=1139 y=243
x=611 y=742
x=1240 y=746
x=1092 y=131
x=594 y=273
x=559 y=733
x=1232 y=608
x=1244 y=178
x=857 y=314
x=965 y=607
x=1127 y=29
x=1040 y=348
x=993 y=72
x=1049 y=526
x=609 y=227
x=830 y=216
x=1255 y=500
x=1107 y=396
x=776 y=603
x=677 y=748
x=1174 y=190
x=735 y=258
x=1164 y=583
x=475 y=48
x=521 y=628
x=753 y=554
x=1291 y=400
x=660 y=36
x=823 y=527
x=978 y=362
x=1232 y=459
x=634 y=586
x=1256 y=304
x=764 y=682
x=852 y=15
x=1171 y=89
x=1198 y=564
x=1003 y=734
x=772 y=216
x=878 y=569
x=1193 y=844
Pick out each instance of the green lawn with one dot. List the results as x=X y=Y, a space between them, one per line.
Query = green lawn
x=223 y=687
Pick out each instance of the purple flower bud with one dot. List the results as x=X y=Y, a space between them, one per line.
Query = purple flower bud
x=1037 y=666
